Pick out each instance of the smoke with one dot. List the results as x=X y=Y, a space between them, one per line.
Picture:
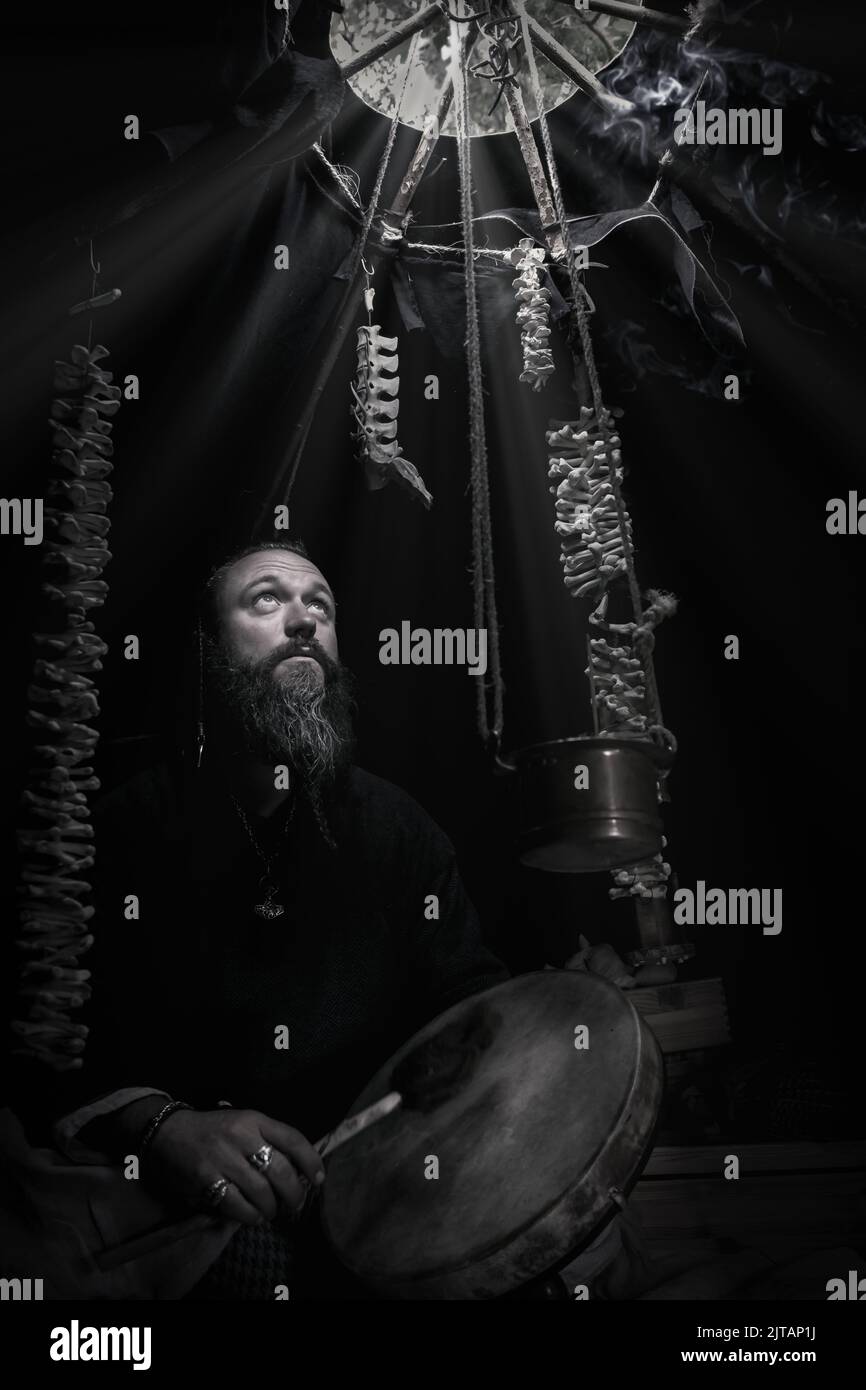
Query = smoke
x=795 y=213
x=660 y=74
x=840 y=131
x=762 y=275
x=792 y=199
x=628 y=340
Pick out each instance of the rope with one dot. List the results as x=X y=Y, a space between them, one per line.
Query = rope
x=483 y=577
x=345 y=177
x=579 y=305
x=361 y=245
x=457 y=252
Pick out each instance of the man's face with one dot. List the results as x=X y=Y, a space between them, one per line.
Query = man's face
x=270 y=605
x=274 y=671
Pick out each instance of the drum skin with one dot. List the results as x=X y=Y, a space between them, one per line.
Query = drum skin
x=535 y=1148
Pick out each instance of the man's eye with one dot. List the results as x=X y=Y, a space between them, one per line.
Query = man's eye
x=322 y=603
x=266 y=593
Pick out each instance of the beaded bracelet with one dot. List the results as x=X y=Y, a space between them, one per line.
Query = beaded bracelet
x=156 y=1120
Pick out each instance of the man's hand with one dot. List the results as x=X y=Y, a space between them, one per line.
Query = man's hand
x=192 y=1149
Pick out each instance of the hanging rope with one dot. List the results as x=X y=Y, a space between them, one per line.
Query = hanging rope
x=345 y=177
x=483 y=576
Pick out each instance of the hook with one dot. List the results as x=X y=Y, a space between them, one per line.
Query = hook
x=493 y=746
x=369 y=292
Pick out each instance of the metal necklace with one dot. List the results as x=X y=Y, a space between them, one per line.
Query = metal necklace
x=268 y=884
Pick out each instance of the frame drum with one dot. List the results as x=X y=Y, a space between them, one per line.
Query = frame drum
x=526 y=1158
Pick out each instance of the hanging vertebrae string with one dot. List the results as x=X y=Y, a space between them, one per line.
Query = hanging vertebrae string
x=579 y=309
x=483 y=575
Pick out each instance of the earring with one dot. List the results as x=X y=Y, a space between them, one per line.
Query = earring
x=200 y=734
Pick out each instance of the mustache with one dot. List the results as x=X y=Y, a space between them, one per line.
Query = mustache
x=300 y=646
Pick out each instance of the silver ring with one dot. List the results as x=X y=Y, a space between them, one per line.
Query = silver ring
x=262 y=1157
x=214 y=1194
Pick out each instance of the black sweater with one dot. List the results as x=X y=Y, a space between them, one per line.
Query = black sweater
x=189 y=997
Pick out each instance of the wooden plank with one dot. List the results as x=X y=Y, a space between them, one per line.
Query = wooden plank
x=686 y=1015
x=802 y=1211
x=675 y=1034
x=682 y=994
x=682 y=1161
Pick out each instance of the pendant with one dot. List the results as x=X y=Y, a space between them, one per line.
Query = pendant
x=269 y=910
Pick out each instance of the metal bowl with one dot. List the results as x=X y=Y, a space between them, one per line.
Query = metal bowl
x=611 y=822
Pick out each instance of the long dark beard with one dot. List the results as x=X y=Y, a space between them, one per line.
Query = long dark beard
x=296 y=718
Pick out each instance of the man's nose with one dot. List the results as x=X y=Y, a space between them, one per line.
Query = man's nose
x=299 y=622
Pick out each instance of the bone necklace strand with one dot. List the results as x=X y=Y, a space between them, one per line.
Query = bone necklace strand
x=269 y=909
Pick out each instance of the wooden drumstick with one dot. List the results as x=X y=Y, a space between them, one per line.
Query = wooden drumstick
x=356 y=1123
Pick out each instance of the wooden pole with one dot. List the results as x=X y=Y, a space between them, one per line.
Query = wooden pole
x=399 y=34
x=568 y=64
x=395 y=217
x=655 y=19
x=535 y=170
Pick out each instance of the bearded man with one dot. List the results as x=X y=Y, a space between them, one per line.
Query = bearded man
x=271 y=925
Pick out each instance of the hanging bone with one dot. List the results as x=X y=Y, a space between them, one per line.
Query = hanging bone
x=618 y=665
x=56 y=837
x=375 y=412
x=586 y=457
x=533 y=314
x=646 y=879
x=583 y=456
